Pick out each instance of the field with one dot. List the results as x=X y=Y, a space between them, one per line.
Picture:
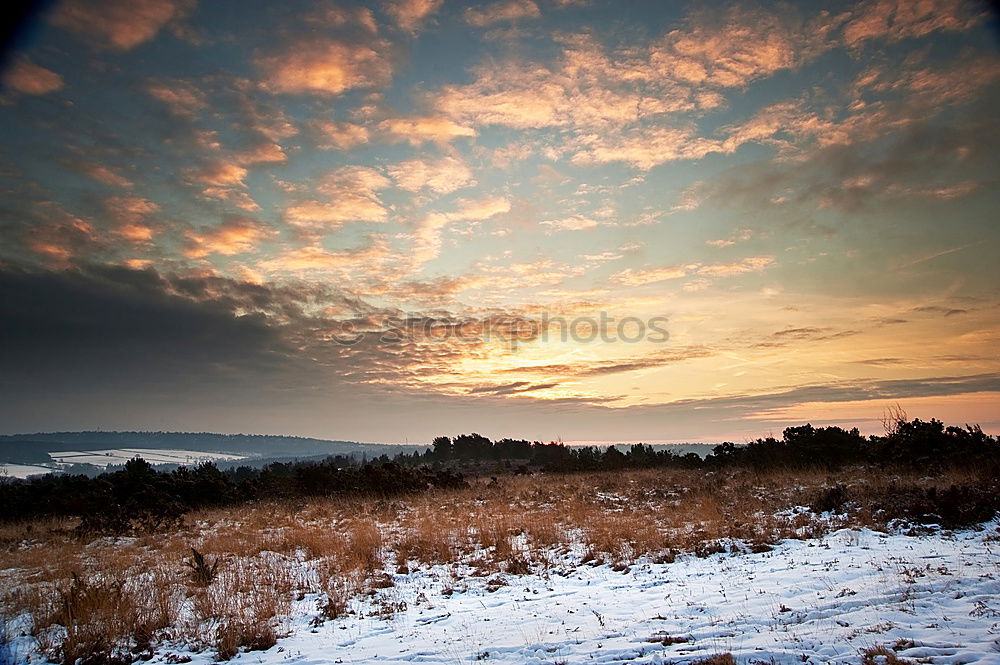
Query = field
x=641 y=566
x=116 y=456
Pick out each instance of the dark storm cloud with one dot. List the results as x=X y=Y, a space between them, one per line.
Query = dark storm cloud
x=119 y=329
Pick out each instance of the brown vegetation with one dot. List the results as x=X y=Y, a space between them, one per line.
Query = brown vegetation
x=111 y=598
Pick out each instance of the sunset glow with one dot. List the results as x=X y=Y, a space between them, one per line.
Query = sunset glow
x=534 y=218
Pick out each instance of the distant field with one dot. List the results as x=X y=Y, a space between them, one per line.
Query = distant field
x=103 y=458
x=22 y=470
x=122 y=455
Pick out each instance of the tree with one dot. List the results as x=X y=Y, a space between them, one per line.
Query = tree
x=442 y=448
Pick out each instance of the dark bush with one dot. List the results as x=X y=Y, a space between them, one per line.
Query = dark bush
x=832 y=499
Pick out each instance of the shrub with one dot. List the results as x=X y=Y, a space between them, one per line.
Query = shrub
x=830 y=499
x=202 y=574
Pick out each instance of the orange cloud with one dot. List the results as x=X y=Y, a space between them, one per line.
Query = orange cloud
x=410 y=15
x=423 y=130
x=135 y=231
x=118 y=24
x=236 y=235
x=749 y=264
x=895 y=20
x=326 y=67
x=504 y=10
x=630 y=277
x=332 y=16
x=129 y=208
x=105 y=175
x=263 y=153
x=220 y=174
x=352 y=193
x=741 y=235
x=732 y=49
x=238 y=197
x=441 y=176
x=584 y=88
x=28 y=78
x=131 y=212
x=341 y=135
x=427 y=237
x=313 y=257
x=644 y=148
x=183 y=98
x=61 y=237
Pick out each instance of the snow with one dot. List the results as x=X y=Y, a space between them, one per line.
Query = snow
x=22 y=470
x=151 y=455
x=936 y=597
x=102 y=458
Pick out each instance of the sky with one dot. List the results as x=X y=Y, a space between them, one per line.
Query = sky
x=542 y=219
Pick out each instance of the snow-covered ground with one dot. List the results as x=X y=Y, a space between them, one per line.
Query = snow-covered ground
x=935 y=597
x=22 y=470
x=103 y=458
x=151 y=455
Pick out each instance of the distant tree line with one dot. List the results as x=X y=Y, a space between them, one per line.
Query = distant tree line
x=914 y=444
x=139 y=498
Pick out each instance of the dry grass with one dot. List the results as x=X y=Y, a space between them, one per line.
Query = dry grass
x=271 y=554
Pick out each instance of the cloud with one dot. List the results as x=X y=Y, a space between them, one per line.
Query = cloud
x=410 y=15
x=811 y=334
x=107 y=176
x=631 y=277
x=59 y=237
x=352 y=195
x=511 y=388
x=183 y=98
x=326 y=67
x=341 y=135
x=441 y=176
x=236 y=235
x=479 y=209
x=644 y=148
x=118 y=24
x=220 y=174
x=894 y=20
x=897 y=153
x=914 y=95
x=262 y=153
x=750 y=264
x=315 y=258
x=572 y=223
x=428 y=129
x=504 y=10
x=131 y=213
x=584 y=88
x=28 y=78
x=237 y=197
x=328 y=16
x=607 y=367
x=427 y=236
x=729 y=49
x=689 y=199
x=588 y=87
x=136 y=331
x=740 y=235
